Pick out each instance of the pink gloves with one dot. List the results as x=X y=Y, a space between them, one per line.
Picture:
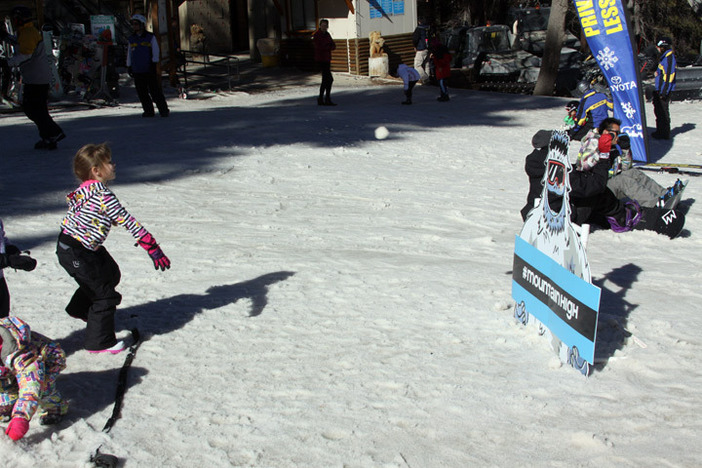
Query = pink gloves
x=160 y=260
x=17 y=428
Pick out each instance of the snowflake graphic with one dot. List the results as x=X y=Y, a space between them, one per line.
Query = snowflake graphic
x=606 y=58
x=628 y=110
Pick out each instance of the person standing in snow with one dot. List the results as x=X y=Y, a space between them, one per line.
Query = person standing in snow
x=420 y=41
x=323 y=46
x=30 y=56
x=665 y=84
x=442 y=67
x=409 y=76
x=29 y=366
x=10 y=256
x=142 y=61
x=92 y=210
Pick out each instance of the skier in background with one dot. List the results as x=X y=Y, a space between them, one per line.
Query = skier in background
x=420 y=41
x=30 y=57
x=442 y=67
x=665 y=84
x=142 y=61
x=323 y=46
x=409 y=76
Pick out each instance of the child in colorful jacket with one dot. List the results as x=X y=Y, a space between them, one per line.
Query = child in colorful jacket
x=29 y=366
x=92 y=210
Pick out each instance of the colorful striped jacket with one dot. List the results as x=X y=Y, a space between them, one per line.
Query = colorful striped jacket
x=92 y=211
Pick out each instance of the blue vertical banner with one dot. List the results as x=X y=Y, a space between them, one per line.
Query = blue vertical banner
x=604 y=24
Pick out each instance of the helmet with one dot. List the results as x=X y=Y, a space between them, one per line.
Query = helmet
x=583 y=87
x=21 y=13
x=139 y=18
x=571 y=106
x=664 y=42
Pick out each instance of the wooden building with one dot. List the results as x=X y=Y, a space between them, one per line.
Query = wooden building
x=235 y=25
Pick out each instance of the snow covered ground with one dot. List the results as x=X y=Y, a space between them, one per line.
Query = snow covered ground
x=341 y=301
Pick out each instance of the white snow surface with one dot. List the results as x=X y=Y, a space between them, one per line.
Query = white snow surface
x=340 y=301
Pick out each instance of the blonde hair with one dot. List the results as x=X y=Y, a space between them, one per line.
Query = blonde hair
x=90 y=156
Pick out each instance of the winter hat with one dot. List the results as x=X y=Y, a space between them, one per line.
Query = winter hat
x=571 y=106
x=664 y=43
x=541 y=138
x=139 y=18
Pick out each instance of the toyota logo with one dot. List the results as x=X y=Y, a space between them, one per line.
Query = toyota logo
x=616 y=80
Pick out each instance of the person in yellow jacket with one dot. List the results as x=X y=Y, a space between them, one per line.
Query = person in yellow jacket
x=30 y=56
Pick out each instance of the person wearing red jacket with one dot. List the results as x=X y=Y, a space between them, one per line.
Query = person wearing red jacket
x=323 y=46
x=442 y=68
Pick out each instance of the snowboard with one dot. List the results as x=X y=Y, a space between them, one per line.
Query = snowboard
x=661 y=220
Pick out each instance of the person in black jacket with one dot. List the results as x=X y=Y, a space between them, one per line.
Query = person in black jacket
x=592 y=201
x=420 y=41
x=10 y=257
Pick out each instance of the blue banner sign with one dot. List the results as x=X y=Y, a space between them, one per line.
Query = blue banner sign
x=604 y=25
x=564 y=303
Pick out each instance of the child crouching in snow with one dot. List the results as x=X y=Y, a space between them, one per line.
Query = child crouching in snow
x=30 y=364
x=409 y=76
x=92 y=210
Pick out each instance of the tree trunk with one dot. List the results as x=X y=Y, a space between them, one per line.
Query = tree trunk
x=552 y=49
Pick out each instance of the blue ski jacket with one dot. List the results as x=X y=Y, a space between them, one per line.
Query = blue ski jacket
x=665 y=75
x=143 y=51
x=597 y=105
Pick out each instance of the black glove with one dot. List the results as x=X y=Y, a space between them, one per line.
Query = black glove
x=18 y=262
x=130 y=72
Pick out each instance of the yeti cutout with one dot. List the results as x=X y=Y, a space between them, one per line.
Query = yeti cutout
x=553 y=232
x=376 y=44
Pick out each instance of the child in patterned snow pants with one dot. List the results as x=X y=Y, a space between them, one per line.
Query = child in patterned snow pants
x=30 y=365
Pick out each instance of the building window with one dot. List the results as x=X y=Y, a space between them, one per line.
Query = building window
x=303 y=15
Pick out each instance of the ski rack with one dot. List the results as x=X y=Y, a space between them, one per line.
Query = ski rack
x=230 y=63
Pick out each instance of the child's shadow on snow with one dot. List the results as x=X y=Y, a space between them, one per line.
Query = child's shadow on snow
x=88 y=393
x=614 y=312
x=172 y=313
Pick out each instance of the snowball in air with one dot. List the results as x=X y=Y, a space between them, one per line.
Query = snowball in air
x=381 y=133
